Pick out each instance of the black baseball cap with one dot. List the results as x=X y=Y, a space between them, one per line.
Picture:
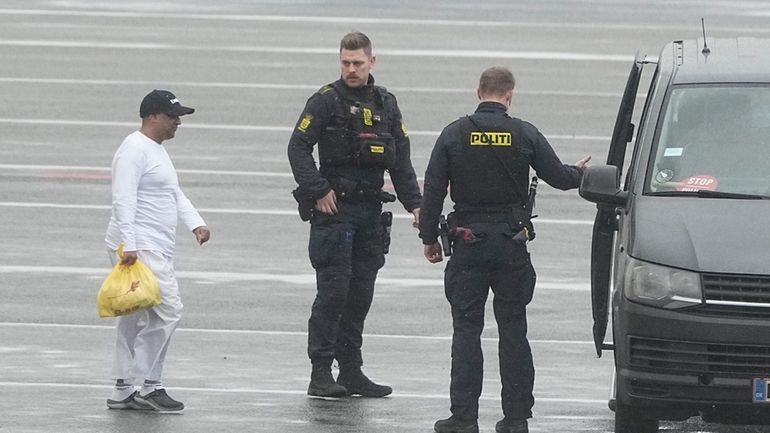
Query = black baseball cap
x=162 y=101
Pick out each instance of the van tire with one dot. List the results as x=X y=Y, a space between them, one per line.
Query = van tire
x=629 y=420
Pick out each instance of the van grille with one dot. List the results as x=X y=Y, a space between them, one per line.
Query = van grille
x=745 y=296
x=737 y=288
x=696 y=358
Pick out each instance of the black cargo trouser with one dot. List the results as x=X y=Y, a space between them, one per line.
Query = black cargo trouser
x=493 y=260
x=346 y=251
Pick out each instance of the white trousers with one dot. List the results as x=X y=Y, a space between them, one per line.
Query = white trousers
x=143 y=337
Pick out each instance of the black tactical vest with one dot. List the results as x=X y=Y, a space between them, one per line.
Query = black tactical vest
x=358 y=132
x=489 y=170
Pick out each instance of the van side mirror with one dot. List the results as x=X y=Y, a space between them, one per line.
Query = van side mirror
x=601 y=185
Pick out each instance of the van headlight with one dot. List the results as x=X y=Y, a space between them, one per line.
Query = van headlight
x=661 y=286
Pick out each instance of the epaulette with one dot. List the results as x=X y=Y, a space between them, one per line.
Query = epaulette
x=325 y=89
x=458 y=120
x=381 y=94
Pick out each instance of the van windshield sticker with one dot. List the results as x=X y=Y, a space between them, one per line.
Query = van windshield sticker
x=673 y=151
x=664 y=175
x=698 y=182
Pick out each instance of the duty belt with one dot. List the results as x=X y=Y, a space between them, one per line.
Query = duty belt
x=359 y=192
x=484 y=214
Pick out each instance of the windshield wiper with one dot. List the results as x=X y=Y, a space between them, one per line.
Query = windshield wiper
x=710 y=194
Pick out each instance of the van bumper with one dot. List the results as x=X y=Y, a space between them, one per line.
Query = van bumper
x=677 y=364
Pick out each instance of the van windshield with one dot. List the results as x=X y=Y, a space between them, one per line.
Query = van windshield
x=713 y=138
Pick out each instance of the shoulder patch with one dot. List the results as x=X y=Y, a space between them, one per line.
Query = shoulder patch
x=304 y=124
x=324 y=89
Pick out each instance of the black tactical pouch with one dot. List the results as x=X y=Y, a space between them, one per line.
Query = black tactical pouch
x=305 y=204
x=376 y=150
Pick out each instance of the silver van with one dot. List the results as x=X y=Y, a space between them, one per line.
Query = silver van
x=680 y=258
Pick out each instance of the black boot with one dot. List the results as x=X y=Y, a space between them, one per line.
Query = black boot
x=322 y=383
x=455 y=425
x=509 y=425
x=356 y=382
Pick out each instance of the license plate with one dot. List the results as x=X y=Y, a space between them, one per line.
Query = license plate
x=761 y=388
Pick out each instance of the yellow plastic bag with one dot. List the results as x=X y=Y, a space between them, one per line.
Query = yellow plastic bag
x=127 y=289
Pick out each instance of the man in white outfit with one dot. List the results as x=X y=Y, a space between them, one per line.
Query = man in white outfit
x=147 y=202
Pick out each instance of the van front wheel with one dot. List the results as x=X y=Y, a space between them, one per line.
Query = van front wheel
x=628 y=420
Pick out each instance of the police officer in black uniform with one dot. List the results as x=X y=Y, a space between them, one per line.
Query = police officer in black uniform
x=360 y=134
x=486 y=157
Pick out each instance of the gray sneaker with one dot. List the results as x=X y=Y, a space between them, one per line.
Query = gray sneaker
x=129 y=402
x=160 y=401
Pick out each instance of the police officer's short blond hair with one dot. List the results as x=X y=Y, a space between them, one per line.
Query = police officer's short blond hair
x=496 y=80
x=356 y=41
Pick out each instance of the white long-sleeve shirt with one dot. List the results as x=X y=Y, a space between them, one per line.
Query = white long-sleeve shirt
x=146 y=199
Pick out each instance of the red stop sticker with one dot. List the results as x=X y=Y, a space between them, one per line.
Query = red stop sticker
x=698 y=182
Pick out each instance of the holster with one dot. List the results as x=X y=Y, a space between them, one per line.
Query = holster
x=444 y=235
x=386 y=219
x=305 y=204
x=524 y=227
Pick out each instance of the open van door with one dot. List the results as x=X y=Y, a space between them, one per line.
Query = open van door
x=605 y=223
